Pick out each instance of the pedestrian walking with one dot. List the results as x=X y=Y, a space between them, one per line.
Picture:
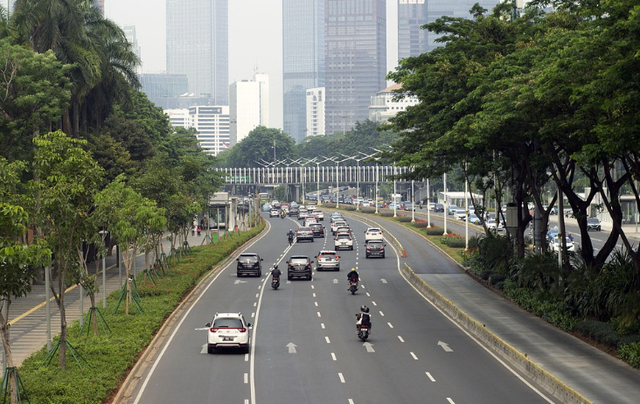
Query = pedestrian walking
x=199 y=230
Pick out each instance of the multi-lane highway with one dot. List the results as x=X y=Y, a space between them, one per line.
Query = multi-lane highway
x=304 y=347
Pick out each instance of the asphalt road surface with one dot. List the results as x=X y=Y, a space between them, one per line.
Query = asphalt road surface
x=304 y=346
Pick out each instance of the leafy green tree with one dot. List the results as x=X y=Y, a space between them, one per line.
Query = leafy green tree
x=33 y=93
x=17 y=261
x=65 y=181
x=259 y=146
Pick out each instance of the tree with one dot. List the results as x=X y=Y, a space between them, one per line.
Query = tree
x=33 y=93
x=65 y=181
x=17 y=262
x=259 y=146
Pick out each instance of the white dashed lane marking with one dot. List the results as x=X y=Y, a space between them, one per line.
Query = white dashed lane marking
x=333 y=356
x=341 y=377
x=327 y=339
x=430 y=377
x=400 y=338
x=414 y=356
x=390 y=325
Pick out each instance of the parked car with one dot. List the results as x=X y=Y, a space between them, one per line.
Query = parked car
x=299 y=266
x=593 y=223
x=343 y=241
x=375 y=248
x=249 y=264
x=304 y=233
x=328 y=259
x=228 y=330
x=432 y=206
x=372 y=233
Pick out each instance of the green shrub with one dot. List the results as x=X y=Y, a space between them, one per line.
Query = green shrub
x=630 y=353
x=404 y=219
x=453 y=240
x=386 y=214
x=368 y=209
x=420 y=225
x=434 y=231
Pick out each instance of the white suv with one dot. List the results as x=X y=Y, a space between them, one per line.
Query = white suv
x=372 y=233
x=228 y=330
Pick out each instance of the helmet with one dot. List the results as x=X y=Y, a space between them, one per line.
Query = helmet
x=353 y=269
x=364 y=309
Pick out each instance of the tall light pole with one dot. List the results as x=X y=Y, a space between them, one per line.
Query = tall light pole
x=318 y=162
x=395 y=207
x=428 y=203
x=376 y=200
x=446 y=209
x=413 y=202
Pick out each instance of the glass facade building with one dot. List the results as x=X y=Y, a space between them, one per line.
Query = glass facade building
x=356 y=60
x=198 y=46
x=302 y=60
x=412 y=14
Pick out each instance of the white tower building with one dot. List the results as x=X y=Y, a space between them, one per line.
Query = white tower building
x=315 y=112
x=249 y=106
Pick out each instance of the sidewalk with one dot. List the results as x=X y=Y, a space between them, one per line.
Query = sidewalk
x=28 y=314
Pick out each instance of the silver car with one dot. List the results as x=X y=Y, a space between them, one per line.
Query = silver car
x=328 y=260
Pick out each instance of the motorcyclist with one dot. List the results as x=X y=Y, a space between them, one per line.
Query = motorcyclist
x=275 y=273
x=353 y=277
x=283 y=213
x=363 y=318
x=290 y=236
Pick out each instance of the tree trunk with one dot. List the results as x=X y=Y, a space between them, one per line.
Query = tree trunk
x=62 y=359
x=6 y=345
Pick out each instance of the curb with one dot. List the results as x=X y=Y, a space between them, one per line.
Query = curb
x=130 y=383
x=520 y=361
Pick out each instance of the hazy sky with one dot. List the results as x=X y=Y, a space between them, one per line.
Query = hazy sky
x=255 y=39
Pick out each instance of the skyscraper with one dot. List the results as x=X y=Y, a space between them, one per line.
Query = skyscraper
x=198 y=46
x=249 y=106
x=302 y=59
x=356 y=59
x=412 y=14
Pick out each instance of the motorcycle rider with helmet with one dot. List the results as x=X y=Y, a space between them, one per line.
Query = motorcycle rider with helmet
x=290 y=236
x=353 y=276
x=363 y=318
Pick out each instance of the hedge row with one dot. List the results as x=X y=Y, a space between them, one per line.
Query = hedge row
x=111 y=356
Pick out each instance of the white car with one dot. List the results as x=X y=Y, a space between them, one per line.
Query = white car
x=328 y=259
x=461 y=214
x=336 y=224
x=274 y=213
x=555 y=244
x=343 y=241
x=228 y=330
x=372 y=233
x=319 y=215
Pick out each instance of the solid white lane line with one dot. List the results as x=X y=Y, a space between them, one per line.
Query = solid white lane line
x=390 y=325
x=322 y=325
x=414 y=356
x=319 y=315
x=400 y=338
x=341 y=377
x=327 y=339
x=246 y=378
x=374 y=303
x=430 y=377
x=333 y=356
x=381 y=313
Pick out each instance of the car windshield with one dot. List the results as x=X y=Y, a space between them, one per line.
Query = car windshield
x=593 y=220
x=298 y=261
x=227 y=323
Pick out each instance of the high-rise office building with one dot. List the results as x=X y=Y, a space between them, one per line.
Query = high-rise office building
x=132 y=38
x=302 y=59
x=198 y=46
x=315 y=112
x=412 y=14
x=356 y=59
x=210 y=121
x=248 y=106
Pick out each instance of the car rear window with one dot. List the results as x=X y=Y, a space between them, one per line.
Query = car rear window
x=248 y=258
x=296 y=261
x=227 y=323
x=328 y=256
x=344 y=236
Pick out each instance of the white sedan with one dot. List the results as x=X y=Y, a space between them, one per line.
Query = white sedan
x=372 y=233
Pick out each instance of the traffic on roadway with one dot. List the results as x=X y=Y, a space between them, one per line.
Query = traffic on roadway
x=302 y=340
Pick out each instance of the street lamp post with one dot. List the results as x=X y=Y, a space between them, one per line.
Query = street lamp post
x=428 y=204
x=395 y=203
x=446 y=209
x=413 y=203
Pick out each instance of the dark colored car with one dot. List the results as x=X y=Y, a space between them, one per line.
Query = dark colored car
x=299 y=266
x=293 y=211
x=375 y=248
x=317 y=229
x=593 y=223
x=439 y=207
x=249 y=264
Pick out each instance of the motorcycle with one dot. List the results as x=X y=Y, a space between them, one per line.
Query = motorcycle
x=363 y=332
x=290 y=239
x=275 y=279
x=353 y=287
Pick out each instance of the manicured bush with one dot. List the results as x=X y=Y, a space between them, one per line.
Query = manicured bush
x=434 y=231
x=404 y=219
x=386 y=214
x=420 y=225
x=368 y=209
x=453 y=240
x=110 y=356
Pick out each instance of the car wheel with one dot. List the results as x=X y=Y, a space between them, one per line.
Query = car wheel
x=366 y=256
x=309 y=278
x=211 y=350
x=289 y=277
x=239 y=276
x=259 y=274
x=351 y=248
